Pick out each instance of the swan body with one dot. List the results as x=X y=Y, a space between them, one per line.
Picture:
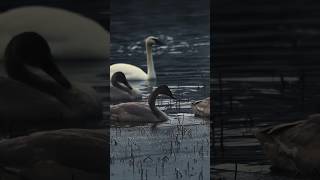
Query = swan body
x=56 y=154
x=121 y=91
x=117 y=96
x=138 y=112
x=293 y=146
x=201 y=108
x=131 y=71
x=32 y=102
x=135 y=73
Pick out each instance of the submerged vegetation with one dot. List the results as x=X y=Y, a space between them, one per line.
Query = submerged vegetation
x=178 y=148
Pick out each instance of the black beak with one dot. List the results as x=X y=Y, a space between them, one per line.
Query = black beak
x=158 y=42
x=51 y=69
x=127 y=84
x=172 y=97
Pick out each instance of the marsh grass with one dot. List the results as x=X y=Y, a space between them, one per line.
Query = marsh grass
x=243 y=105
x=177 y=149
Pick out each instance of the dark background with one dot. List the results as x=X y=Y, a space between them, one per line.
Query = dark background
x=98 y=10
x=266 y=35
x=94 y=9
x=267 y=39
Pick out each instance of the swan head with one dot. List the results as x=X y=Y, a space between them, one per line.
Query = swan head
x=29 y=48
x=164 y=89
x=120 y=77
x=151 y=40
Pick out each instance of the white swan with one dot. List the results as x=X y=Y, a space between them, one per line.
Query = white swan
x=122 y=93
x=138 y=112
x=32 y=102
x=135 y=73
x=59 y=154
x=201 y=108
x=293 y=146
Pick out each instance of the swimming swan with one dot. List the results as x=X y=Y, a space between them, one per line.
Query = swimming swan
x=135 y=73
x=33 y=102
x=122 y=93
x=293 y=146
x=201 y=108
x=138 y=112
x=57 y=154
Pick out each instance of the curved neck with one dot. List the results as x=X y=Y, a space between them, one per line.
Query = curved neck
x=151 y=71
x=152 y=103
x=116 y=84
x=20 y=73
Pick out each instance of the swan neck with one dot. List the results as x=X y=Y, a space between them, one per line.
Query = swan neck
x=151 y=71
x=19 y=72
x=152 y=103
x=121 y=87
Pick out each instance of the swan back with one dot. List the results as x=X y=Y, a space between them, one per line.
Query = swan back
x=66 y=147
x=293 y=146
x=201 y=108
x=131 y=72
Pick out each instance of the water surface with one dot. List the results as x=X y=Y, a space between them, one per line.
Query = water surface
x=178 y=148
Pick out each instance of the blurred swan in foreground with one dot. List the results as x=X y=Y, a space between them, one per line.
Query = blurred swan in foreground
x=30 y=101
x=61 y=154
x=201 y=108
x=135 y=73
x=122 y=92
x=138 y=112
x=293 y=146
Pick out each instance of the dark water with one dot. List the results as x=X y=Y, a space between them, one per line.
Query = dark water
x=182 y=25
x=246 y=104
x=179 y=148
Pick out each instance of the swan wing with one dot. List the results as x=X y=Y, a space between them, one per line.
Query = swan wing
x=57 y=147
x=117 y=95
x=84 y=104
x=293 y=146
x=201 y=108
x=130 y=71
x=22 y=107
x=132 y=112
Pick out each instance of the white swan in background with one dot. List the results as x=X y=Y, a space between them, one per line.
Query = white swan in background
x=293 y=146
x=121 y=91
x=30 y=101
x=135 y=73
x=201 y=108
x=58 y=154
x=139 y=112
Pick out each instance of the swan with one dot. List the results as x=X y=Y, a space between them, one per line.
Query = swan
x=293 y=147
x=122 y=93
x=32 y=102
x=201 y=108
x=138 y=112
x=57 y=154
x=135 y=73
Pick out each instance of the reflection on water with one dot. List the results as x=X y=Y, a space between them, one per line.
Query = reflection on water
x=246 y=104
x=178 y=148
x=259 y=79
